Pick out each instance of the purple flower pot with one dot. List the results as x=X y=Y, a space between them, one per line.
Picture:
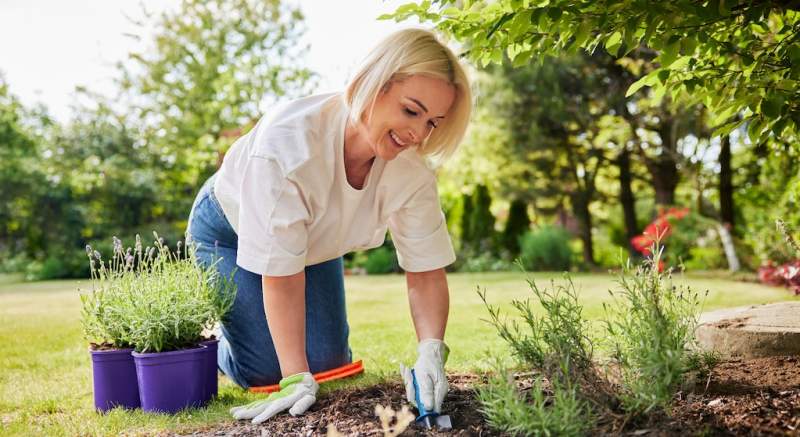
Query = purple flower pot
x=114 y=375
x=172 y=381
x=212 y=384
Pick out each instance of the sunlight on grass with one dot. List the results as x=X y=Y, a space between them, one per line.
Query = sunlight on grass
x=46 y=380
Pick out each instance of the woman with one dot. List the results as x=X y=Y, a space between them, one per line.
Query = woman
x=320 y=177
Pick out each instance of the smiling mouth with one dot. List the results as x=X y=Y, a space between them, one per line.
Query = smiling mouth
x=396 y=141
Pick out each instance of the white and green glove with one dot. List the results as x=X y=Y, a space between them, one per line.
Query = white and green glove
x=431 y=378
x=298 y=392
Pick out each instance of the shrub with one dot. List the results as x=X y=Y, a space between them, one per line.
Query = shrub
x=706 y=258
x=694 y=235
x=555 y=346
x=152 y=299
x=484 y=262
x=556 y=340
x=505 y=408
x=380 y=261
x=546 y=248
x=651 y=325
x=13 y=262
x=518 y=223
x=464 y=219
x=479 y=234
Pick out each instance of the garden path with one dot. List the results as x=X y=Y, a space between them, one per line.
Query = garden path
x=752 y=331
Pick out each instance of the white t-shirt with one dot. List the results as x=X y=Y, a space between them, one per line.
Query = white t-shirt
x=284 y=191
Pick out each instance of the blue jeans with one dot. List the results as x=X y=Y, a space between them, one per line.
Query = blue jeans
x=246 y=352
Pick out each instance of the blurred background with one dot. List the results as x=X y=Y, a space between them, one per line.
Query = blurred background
x=113 y=114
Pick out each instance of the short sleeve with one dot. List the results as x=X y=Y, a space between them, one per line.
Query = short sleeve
x=273 y=221
x=419 y=232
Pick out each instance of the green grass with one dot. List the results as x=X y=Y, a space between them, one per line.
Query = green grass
x=45 y=369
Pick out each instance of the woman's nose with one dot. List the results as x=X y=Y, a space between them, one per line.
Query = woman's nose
x=412 y=136
x=417 y=133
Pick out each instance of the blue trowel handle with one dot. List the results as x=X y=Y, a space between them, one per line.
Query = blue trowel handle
x=423 y=414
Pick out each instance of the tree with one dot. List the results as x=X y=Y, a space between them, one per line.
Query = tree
x=214 y=64
x=481 y=221
x=739 y=57
x=19 y=176
x=560 y=127
x=726 y=210
x=517 y=225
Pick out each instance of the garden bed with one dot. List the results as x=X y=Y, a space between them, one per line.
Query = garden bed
x=758 y=396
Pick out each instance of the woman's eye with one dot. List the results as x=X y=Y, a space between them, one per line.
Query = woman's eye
x=410 y=112
x=433 y=125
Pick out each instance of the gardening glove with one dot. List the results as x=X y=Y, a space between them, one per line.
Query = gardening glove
x=298 y=392
x=431 y=378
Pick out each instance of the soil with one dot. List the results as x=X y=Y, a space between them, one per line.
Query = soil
x=751 y=397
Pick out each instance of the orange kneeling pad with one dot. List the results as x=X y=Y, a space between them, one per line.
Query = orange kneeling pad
x=351 y=369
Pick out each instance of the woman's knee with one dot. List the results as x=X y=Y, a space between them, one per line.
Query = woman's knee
x=248 y=368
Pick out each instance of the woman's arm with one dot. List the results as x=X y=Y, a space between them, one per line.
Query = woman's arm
x=429 y=298
x=285 y=306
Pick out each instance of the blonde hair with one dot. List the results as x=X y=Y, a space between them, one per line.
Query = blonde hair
x=405 y=53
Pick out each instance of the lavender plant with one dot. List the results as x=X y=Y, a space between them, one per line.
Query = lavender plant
x=651 y=326
x=153 y=299
x=554 y=344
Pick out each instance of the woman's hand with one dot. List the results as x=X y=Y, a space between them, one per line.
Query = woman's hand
x=298 y=392
x=431 y=379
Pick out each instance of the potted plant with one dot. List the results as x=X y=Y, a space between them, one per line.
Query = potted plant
x=113 y=370
x=169 y=300
x=176 y=300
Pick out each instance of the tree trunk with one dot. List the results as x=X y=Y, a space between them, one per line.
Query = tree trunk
x=626 y=199
x=726 y=184
x=664 y=168
x=580 y=207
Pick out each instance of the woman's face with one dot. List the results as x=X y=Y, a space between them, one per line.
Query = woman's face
x=405 y=114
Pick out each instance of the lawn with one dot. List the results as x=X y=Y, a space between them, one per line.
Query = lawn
x=46 y=380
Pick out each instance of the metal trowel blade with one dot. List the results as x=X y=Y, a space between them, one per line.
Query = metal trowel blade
x=443 y=422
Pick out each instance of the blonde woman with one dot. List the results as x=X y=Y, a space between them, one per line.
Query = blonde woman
x=320 y=177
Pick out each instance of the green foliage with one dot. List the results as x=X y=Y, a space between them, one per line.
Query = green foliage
x=554 y=345
x=210 y=70
x=481 y=221
x=689 y=234
x=466 y=217
x=518 y=223
x=774 y=193
x=650 y=325
x=736 y=57
x=453 y=209
x=483 y=262
x=381 y=260
x=607 y=254
x=214 y=65
x=21 y=227
x=563 y=413
x=152 y=299
x=546 y=248
x=706 y=258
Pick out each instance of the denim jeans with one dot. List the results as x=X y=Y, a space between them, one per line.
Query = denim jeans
x=246 y=352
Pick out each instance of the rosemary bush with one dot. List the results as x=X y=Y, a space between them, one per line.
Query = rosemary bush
x=557 y=412
x=550 y=343
x=651 y=326
x=153 y=299
x=557 y=347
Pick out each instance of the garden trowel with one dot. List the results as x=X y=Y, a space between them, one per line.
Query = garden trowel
x=429 y=419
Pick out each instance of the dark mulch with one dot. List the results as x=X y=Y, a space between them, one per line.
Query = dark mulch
x=753 y=397
x=759 y=396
